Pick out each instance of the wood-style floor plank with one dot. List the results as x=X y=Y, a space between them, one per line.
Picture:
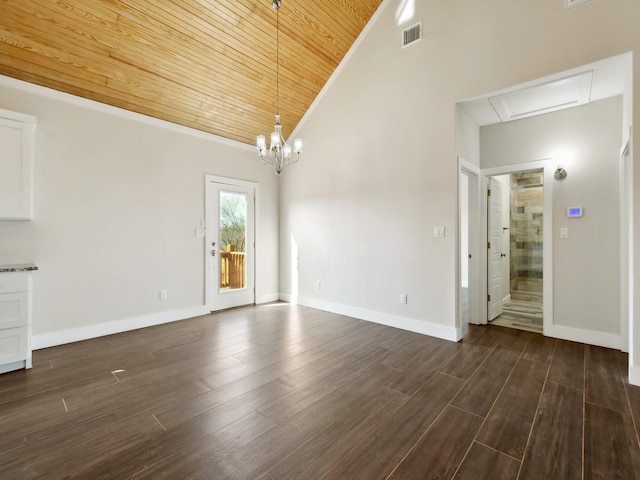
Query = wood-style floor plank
x=323 y=450
x=92 y=439
x=288 y=392
x=439 y=452
x=483 y=463
x=633 y=394
x=229 y=402
x=206 y=460
x=540 y=349
x=465 y=364
x=509 y=423
x=377 y=456
x=611 y=446
x=555 y=448
x=481 y=391
x=604 y=380
x=156 y=452
x=419 y=367
x=348 y=403
x=567 y=364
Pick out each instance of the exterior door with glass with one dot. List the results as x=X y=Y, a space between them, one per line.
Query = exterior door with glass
x=230 y=246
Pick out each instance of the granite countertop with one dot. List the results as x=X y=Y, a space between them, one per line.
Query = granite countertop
x=18 y=267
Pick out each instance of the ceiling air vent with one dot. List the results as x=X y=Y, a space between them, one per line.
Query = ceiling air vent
x=412 y=34
x=573 y=3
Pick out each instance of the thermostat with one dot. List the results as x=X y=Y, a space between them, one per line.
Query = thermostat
x=574 y=212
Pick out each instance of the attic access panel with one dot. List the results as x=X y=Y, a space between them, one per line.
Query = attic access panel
x=548 y=97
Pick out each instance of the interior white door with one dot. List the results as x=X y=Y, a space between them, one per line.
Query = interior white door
x=494 y=267
x=230 y=245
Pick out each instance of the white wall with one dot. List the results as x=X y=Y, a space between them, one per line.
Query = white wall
x=117 y=199
x=586 y=266
x=379 y=168
x=467 y=137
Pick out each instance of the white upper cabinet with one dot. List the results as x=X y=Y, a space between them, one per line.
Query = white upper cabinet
x=17 y=150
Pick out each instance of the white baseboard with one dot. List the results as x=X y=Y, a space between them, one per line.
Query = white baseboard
x=404 y=323
x=10 y=367
x=590 y=337
x=292 y=299
x=268 y=298
x=52 y=339
x=634 y=375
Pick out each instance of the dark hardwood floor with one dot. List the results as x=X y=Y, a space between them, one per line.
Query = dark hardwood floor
x=285 y=392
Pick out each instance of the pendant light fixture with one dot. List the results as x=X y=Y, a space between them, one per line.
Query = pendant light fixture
x=279 y=151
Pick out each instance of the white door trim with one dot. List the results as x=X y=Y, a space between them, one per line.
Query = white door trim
x=626 y=244
x=473 y=174
x=209 y=300
x=547 y=236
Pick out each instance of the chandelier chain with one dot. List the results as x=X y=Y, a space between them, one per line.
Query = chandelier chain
x=279 y=152
x=278 y=61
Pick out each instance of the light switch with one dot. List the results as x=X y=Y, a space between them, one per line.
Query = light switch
x=438 y=232
x=564 y=232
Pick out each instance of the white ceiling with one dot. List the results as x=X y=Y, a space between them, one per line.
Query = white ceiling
x=603 y=79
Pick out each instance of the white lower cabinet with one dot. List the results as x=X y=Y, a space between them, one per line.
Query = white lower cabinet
x=15 y=321
x=13 y=345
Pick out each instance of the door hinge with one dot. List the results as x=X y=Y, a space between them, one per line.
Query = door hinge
x=489 y=193
x=489 y=245
x=488 y=298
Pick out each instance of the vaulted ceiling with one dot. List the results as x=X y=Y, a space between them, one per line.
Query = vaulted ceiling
x=205 y=64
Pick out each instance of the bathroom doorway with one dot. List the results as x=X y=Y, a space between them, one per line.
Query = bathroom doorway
x=515 y=213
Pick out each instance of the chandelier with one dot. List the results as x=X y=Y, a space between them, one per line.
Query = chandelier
x=279 y=151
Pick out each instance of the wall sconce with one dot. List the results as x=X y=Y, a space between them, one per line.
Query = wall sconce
x=560 y=173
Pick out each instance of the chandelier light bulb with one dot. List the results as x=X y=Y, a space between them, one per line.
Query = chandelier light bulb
x=275 y=139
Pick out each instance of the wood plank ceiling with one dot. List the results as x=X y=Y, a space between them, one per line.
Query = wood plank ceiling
x=205 y=64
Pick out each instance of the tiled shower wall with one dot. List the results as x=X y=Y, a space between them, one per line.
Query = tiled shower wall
x=525 y=232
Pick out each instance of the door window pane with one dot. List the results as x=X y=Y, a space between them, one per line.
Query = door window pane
x=233 y=219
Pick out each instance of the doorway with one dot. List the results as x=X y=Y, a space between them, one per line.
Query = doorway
x=515 y=226
x=469 y=257
x=230 y=245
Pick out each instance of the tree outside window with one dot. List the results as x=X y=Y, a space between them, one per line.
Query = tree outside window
x=233 y=216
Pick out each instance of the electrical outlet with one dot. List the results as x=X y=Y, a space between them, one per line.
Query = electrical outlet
x=403 y=298
x=163 y=294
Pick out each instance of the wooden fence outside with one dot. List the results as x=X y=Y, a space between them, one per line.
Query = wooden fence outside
x=232 y=265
